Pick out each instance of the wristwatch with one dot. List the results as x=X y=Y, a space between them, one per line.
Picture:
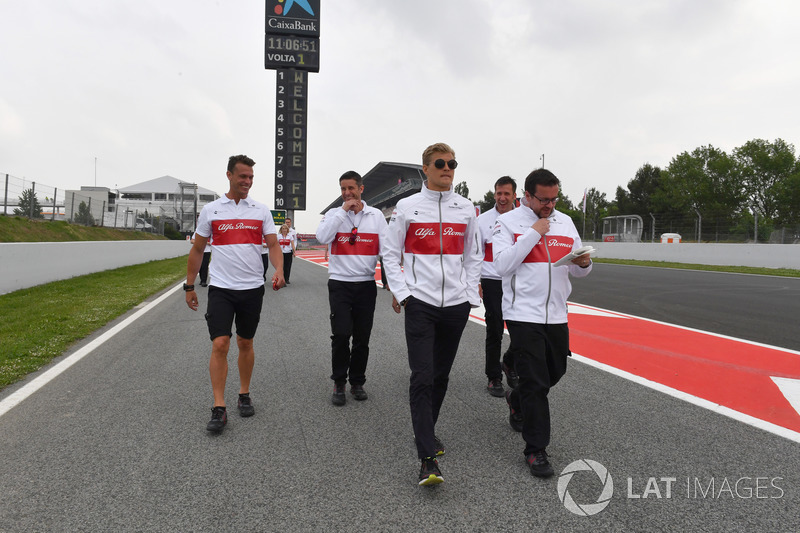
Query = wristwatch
x=188 y=288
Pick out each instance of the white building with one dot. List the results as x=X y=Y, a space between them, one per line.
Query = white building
x=143 y=205
x=174 y=200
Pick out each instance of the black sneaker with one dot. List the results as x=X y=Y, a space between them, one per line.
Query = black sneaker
x=246 y=405
x=539 y=465
x=495 y=387
x=338 y=397
x=512 y=378
x=438 y=447
x=429 y=473
x=219 y=417
x=358 y=392
x=514 y=417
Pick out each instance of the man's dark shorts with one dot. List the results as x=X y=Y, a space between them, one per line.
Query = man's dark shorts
x=225 y=304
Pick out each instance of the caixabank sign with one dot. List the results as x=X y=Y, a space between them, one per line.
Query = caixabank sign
x=293 y=17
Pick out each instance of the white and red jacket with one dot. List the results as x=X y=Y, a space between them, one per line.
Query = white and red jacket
x=352 y=262
x=435 y=236
x=486 y=223
x=236 y=232
x=533 y=289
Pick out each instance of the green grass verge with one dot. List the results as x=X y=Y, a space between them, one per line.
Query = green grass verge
x=20 y=229
x=787 y=272
x=40 y=323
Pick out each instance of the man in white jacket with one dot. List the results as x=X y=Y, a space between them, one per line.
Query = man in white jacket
x=434 y=235
x=526 y=242
x=505 y=194
x=355 y=232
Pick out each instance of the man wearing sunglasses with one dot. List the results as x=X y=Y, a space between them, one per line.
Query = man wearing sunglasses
x=491 y=291
x=526 y=242
x=434 y=235
x=354 y=232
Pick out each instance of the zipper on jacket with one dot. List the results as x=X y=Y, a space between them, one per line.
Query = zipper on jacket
x=441 y=246
x=513 y=289
x=549 y=282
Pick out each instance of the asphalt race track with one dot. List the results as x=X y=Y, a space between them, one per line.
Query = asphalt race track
x=117 y=442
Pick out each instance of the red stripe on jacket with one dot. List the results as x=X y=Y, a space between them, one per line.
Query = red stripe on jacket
x=366 y=244
x=236 y=231
x=558 y=245
x=423 y=238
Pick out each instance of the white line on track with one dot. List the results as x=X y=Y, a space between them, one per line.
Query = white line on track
x=25 y=391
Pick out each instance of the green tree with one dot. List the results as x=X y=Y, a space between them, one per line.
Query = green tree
x=487 y=202
x=706 y=181
x=463 y=190
x=789 y=193
x=636 y=200
x=84 y=215
x=597 y=208
x=765 y=168
x=28 y=205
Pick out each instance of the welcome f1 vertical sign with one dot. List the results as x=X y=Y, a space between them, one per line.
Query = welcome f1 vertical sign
x=291 y=47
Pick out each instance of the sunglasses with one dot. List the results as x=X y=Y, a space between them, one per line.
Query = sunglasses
x=353 y=235
x=440 y=163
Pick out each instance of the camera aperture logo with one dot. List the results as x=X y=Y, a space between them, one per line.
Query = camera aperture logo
x=585 y=509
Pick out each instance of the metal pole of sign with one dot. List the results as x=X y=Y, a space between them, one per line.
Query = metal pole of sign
x=5 y=198
x=33 y=195
x=55 y=194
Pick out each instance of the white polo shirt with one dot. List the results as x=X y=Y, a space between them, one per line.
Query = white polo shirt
x=236 y=231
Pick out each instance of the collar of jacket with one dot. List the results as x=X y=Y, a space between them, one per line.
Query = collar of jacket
x=434 y=195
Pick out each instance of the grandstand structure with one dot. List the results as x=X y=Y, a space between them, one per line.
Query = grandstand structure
x=386 y=184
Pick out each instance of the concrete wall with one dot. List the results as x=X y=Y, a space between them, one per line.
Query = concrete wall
x=26 y=264
x=752 y=255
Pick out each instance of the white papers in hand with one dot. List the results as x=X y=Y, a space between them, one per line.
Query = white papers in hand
x=575 y=253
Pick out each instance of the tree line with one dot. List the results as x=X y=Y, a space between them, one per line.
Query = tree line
x=706 y=194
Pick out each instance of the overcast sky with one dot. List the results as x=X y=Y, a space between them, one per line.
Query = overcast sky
x=153 y=88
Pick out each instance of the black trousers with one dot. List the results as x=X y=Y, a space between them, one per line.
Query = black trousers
x=493 y=303
x=541 y=361
x=287 y=265
x=352 y=311
x=204 y=267
x=432 y=337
